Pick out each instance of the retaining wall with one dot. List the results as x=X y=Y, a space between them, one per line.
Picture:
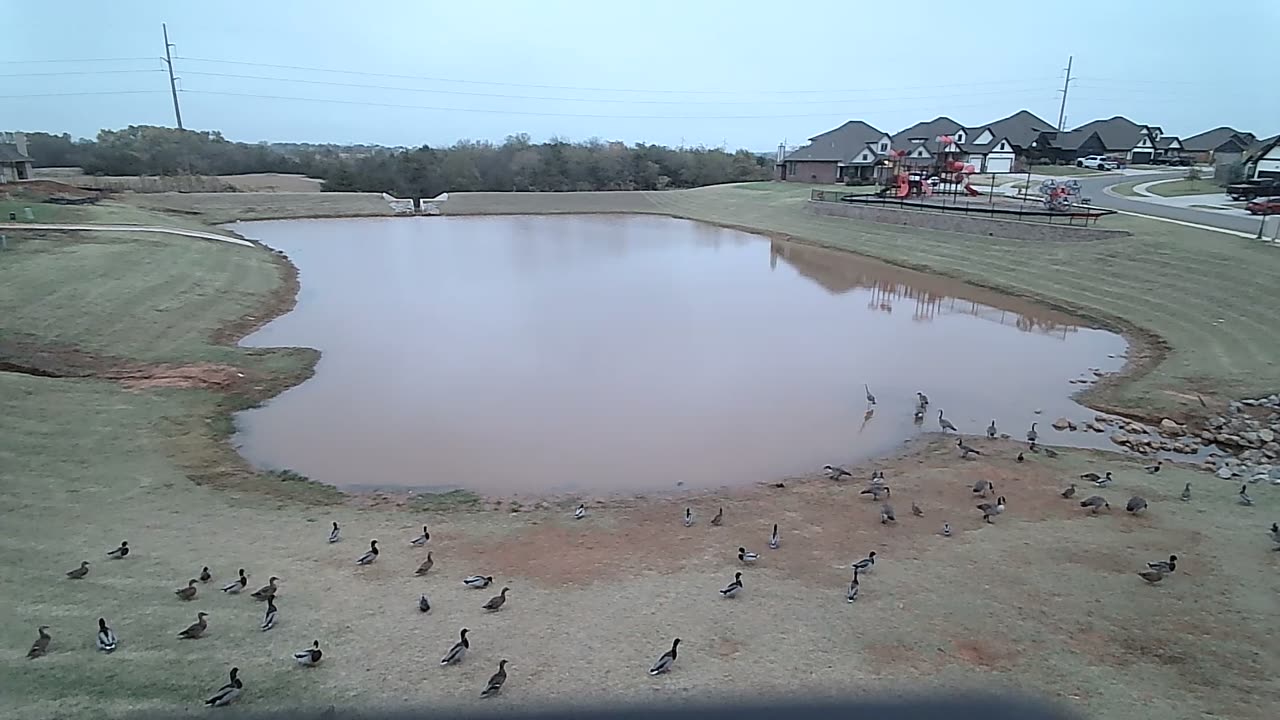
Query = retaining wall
x=968 y=224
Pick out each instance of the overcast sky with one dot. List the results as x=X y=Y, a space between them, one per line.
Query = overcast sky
x=736 y=72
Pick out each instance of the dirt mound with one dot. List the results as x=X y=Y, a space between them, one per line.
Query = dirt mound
x=47 y=191
x=197 y=375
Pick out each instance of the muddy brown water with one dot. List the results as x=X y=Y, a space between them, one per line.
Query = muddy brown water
x=603 y=354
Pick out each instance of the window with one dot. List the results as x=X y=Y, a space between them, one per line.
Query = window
x=884 y=146
x=791 y=168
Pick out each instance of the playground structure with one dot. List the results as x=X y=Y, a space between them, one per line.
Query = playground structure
x=1059 y=195
x=903 y=177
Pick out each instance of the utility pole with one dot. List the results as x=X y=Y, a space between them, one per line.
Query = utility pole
x=1066 y=85
x=173 y=83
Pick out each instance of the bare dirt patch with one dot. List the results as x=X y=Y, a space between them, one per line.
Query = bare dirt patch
x=210 y=376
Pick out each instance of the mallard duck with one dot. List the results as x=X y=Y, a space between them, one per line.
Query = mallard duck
x=371 y=556
x=1050 y=452
x=120 y=552
x=866 y=563
x=80 y=572
x=915 y=509
x=966 y=450
x=421 y=539
x=1020 y=457
x=1032 y=435
x=1166 y=566
x=1186 y=492
x=871 y=399
x=921 y=399
x=497 y=601
x=1103 y=481
x=458 y=651
x=425 y=567
x=1069 y=492
x=667 y=660
x=581 y=512
x=1095 y=503
x=41 y=645
x=335 y=534
x=946 y=529
x=309 y=657
x=228 y=693
x=746 y=558
x=495 y=681
x=877 y=491
x=1153 y=469
x=269 y=619
x=990 y=510
x=478 y=581
x=688 y=517
x=836 y=472
x=1091 y=476
x=886 y=514
x=267 y=591
x=853 y=587
x=197 y=628
x=734 y=587
x=1244 y=495
x=774 y=540
x=424 y=604
x=1136 y=504
x=188 y=592
x=205 y=575
x=236 y=586
x=718 y=520
x=945 y=424
x=106 y=637
x=982 y=487
x=1152 y=576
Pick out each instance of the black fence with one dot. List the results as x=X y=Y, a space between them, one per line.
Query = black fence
x=984 y=206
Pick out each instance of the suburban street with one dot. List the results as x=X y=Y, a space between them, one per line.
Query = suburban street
x=1092 y=187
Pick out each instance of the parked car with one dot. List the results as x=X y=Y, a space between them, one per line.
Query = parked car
x=1173 y=160
x=1097 y=162
x=1265 y=206
x=1250 y=189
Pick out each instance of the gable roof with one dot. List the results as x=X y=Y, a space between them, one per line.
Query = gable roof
x=1117 y=133
x=1261 y=148
x=1020 y=129
x=928 y=130
x=1213 y=139
x=1070 y=140
x=838 y=145
x=9 y=154
x=1167 y=141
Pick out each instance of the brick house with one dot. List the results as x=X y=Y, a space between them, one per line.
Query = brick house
x=848 y=153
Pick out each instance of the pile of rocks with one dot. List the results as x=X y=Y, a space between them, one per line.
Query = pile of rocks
x=1169 y=437
x=1249 y=434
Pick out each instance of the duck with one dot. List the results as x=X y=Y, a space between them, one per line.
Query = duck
x=120 y=552
x=336 y=533
x=915 y=509
x=1104 y=481
x=235 y=586
x=1032 y=446
x=424 y=604
x=421 y=539
x=866 y=563
x=267 y=591
x=886 y=514
x=946 y=529
x=458 y=651
x=1069 y=492
x=1095 y=503
x=746 y=558
x=688 y=517
x=1136 y=504
x=1154 y=468
x=877 y=477
x=1186 y=493
x=309 y=657
x=497 y=601
x=774 y=541
x=1092 y=476
x=1032 y=435
x=1166 y=566
x=1050 y=452
x=426 y=566
x=106 y=637
x=989 y=510
x=945 y=424
x=371 y=556
x=921 y=399
x=205 y=575
x=852 y=595
x=478 y=581
x=228 y=693
x=982 y=487
x=1020 y=457
x=495 y=681
x=668 y=659
x=41 y=646
x=966 y=450
x=197 y=628
x=1152 y=576
x=836 y=472
x=734 y=587
x=188 y=592
x=871 y=399
x=918 y=415
x=80 y=572
x=581 y=512
x=1244 y=496
x=718 y=520
x=876 y=491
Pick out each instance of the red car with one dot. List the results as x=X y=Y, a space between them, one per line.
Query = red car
x=1264 y=206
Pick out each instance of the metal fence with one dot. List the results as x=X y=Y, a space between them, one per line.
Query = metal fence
x=1026 y=211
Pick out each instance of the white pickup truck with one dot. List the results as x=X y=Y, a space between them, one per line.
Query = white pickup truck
x=1097 y=162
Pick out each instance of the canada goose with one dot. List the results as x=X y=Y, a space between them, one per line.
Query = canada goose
x=371 y=556
x=80 y=572
x=421 y=539
x=197 y=628
x=478 y=581
x=1092 y=476
x=120 y=552
x=944 y=423
x=269 y=619
x=871 y=399
x=1151 y=576
x=497 y=601
x=877 y=477
x=1186 y=493
x=667 y=660
x=1153 y=469
x=581 y=512
x=424 y=604
x=746 y=558
x=982 y=487
x=1069 y=492
x=732 y=588
x=188 y=592
x=718 y=520
x=688 y=517
x=1136 y=504
x=458 y=651
x=495 y=681
x=41 y=645
x=1167 y=566
x=335 y=534
x=1244 y=495
x=309 y=657
x=1095 y=503
x=1020 y=458
x=266 y=591
x=106 y=637
x=921 y=399
x=1050 y=452
x=835 y=472
x=915 y=509
x=425 y=567
x=774 y=540
x=886 y=514
x=876 y=491
x=853 y=587
x=1032 y=446
x=1032 y=435
x=946 y=529
x=992 y=431
x=866 y=563
x=205 y=575
x=965 y=450
x=235 y=586
x=989 y=511
x=1275 y=532
x=228 y=693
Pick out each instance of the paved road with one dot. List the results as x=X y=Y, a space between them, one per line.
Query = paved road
x=1091 y=187
x=130 y=228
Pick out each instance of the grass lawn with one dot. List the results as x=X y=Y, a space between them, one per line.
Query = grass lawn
x=1126 y=189
x=1063 y=170
x=1186 y=187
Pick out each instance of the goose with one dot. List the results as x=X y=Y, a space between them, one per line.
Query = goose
x=877 y=477
x=1244 y=495
x=120 y=552
x=421 y=539
x=269 y=620
x=992 y=431
x=497 y=601
x=945 y=424
x=581 y=512
x=732 y=588
x=666 y=661
x=1275 y=532
x=875 y=491
x=946 y=529
x=41 y=645
x=371 y=556
x=921 y=399
x=188 y=592
x=309 y=657
x=688 y=517
x=1032 y=446
x=495 y=681
x=1020 y=458
x=106 y=637
x=1153 y=469
x=871 y=399
x=1032 y=435
x=1136 y=504
x=1104 y=481
x=1069 y=492
x=835 y=472
x=886 y=514
x=853 y=587
x=746 y=558
x=424 y=604
x=266 y=591
x=458 y=651
x=235 y=586
x=1186 y=493
x=982 y=487
x=1167 y=566
x=965 y=450
x=197 y=628
x=718 y=520
x=228 y=693
x=1050 y=452
x=1095 y=503
x=774 y=541
x=478 y=581
x=335 y=534
x=1092 y=476
x=1152 y=576
x=866 y=563
x=205 y=575
x=426 y=566
x=989 y=511
x=915 y=509
x=80 y=572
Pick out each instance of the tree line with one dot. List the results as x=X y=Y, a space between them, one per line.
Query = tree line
x=516 y=164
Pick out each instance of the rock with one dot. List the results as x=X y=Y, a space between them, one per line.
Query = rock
x=1234 y=408
x=1250 y=437
x=1217 y=422
x=1171 y=428
x=1119 y=438
x=1275 y=473
x=1100 y=418
x=1096 y=426
x=1071 y=425
x=1257 y=478
x=1135 y=429
x=1224 y=473
x=1061 y=424
x=1266 y=435
x=1206 y=436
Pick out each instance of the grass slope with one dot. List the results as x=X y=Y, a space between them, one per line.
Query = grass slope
x=1187 y=187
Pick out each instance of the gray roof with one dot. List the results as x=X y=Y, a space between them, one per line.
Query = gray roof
x=1020 y=129
x=838 y=145
x=9 y=154
x=929 y=130
x=1261 y=147
x=1071 y=140
x=1117 y=133
x=1214 y=139
x=1167 y=141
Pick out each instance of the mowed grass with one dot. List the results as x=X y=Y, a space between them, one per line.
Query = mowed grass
x=1178 y=188
x=216 y=208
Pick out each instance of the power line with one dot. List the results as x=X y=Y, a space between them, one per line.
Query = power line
x=70 y=60
x=173 y=83
x=92 y=92
x=79 y=72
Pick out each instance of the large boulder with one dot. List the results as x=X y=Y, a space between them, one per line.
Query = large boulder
x=1171 y=428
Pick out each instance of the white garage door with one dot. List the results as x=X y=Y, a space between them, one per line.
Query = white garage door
x=999 y=163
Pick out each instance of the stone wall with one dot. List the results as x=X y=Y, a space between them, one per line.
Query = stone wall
x=967 y=224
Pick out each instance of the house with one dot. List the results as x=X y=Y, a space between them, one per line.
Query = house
x=847 y=153
x=1262 y=160
x=1169 y=146
x=1206 y=146
x=1118 y=137
x=919 y=143
x=1003 y=145
x=15 y=164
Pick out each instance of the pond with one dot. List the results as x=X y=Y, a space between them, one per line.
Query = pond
x=623 y=354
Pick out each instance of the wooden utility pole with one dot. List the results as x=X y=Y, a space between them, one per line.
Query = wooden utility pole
x=173 y=83
x=1066 y=85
